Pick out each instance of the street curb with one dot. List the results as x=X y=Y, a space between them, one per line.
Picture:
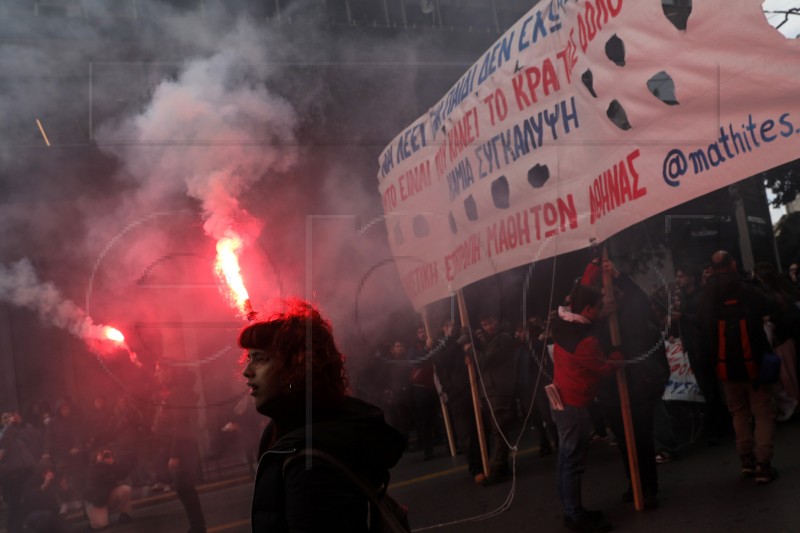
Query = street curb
x=171 y=495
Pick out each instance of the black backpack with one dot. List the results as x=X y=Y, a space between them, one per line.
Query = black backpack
x=386 y=514
x=736 y=359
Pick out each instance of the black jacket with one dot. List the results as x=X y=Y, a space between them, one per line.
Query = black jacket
x=319 y=499
x=647 y=371
x=498 y=365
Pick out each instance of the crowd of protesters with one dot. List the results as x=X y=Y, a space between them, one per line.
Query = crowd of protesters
x=56 y=462
x=53 y=462
x=575 y=349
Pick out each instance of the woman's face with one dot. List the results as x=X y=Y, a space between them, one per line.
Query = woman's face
x=266 y=378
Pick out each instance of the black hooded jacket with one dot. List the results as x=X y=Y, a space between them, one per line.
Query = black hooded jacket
x=319 y=499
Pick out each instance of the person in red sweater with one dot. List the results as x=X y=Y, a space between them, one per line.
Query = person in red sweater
x=579 y=365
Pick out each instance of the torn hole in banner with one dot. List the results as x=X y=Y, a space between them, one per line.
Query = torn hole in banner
x=677 y=12
x=420 y=226
x=663 y=88
x=616 y=113
x=452 y=220
x=588 y=80
x=615 y=50
x=471 y=208
x=538 y=175
x=500 y=193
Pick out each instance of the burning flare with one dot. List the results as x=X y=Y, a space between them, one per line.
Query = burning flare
x=227 y=268
x=20 y=285
x=113 y=334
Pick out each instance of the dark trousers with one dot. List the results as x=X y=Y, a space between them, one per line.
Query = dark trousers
x=502 y=422
x=574 y=429
x=425 y=409
x=462 y=412
x=12 y=484
x=716 y=419
x=642 y=411
x=187 y=493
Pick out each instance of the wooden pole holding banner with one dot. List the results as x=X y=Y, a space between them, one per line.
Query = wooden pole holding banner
x=473 y=385
x=622 y=384
x=448 y=426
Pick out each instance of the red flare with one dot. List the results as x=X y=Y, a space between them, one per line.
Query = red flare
x=227 y=268
x=113 y=334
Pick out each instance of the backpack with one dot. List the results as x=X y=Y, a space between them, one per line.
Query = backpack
x=386 y=515
x=734 y=357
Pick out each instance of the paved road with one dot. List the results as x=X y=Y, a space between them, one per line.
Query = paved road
x=702 y=492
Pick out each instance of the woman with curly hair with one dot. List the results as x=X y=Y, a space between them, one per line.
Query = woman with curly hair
x=296 y=377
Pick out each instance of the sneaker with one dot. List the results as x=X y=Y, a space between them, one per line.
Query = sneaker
x=765 y=473
x=595 y=516
x=650 y=501
x=748 y=463
x=495 y=478
x=663 y=457
x=597 y=438
x=588 y=522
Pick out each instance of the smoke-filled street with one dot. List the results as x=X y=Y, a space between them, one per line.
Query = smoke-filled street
x=404 y=227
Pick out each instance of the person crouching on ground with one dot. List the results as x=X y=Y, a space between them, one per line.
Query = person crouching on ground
x=107 y=492
x=580 y=364
x=286 y=353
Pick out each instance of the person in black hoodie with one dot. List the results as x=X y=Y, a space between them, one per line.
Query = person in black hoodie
x=296 y=376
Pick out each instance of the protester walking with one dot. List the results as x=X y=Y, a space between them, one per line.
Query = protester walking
x=732 y=316
x=295 y=491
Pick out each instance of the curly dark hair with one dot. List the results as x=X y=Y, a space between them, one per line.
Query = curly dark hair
x=293 y=332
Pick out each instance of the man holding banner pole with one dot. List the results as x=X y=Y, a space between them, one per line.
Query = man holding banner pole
x=629 y=401
x=495 y=357
x=437 y=381
x=476 y=401
x=579 y=365
x=452 y=369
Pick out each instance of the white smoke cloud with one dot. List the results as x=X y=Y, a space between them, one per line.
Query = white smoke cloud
x=213 y=131
x=20 y=285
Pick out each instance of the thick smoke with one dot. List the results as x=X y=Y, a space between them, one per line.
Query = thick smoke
x=215 y=130
x=194 y=126
x=21 y=286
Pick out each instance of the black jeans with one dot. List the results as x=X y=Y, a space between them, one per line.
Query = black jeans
x=642 y=411
x=185 y=481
